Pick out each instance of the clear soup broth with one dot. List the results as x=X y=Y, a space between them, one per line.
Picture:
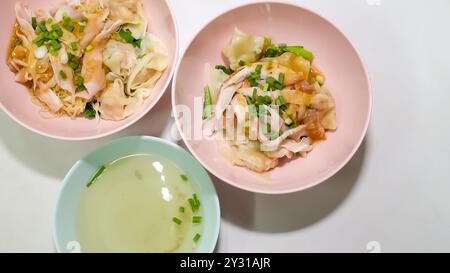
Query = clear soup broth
x=140 y=203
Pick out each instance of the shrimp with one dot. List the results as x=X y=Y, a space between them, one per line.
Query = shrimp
x=47 y=96
x=95 y=24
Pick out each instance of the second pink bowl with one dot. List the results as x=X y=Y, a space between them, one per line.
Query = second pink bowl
x=347 y=80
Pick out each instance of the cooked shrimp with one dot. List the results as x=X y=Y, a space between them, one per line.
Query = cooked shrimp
x=47 y=96
x=93 y=72
x=94 y=26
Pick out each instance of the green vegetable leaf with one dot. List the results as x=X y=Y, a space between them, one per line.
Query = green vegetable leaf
x=300 y=51
x=97 y=175
x=207 y=103
x=127 y=36
x=89 y=111
x=197 y=237
x=226 y=70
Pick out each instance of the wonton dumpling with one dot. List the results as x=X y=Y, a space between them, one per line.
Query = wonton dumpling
x=119 y=57
x=243 y=47
x=115 y=105
x=131 y=13
x=154 y=60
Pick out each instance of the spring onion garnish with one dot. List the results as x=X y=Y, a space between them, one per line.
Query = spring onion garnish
x=281 y=103
x=34 y=23
x=300 y=51
x=281 y=78
x=275 y=51
x=242 y=63
x=63 y=75
x=181 y=209
x=194 y=202
x=226 y=70
x=275 y=84
x=97 y=175
x=89 y=48
x=255 y=76
x=197 y=237
x=74 y=46
x=127 y=36
x=184 y=177
x=89 y=111
x=177 y=220
x=196 y=219
x=207 y=103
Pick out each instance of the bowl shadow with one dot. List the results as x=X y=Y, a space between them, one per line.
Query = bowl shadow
x=54 y=158
x=289 y=212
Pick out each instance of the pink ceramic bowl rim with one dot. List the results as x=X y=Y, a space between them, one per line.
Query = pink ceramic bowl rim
x=294 y=189
x=133 y=119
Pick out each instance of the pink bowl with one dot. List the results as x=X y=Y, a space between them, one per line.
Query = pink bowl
x=347 y=80
x=15 y=100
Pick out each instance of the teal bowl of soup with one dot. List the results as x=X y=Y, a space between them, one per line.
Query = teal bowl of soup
x=137 y=194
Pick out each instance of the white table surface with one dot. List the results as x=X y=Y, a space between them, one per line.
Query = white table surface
x=395 y=191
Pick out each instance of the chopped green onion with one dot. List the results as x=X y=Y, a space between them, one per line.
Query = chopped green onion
x=196 y=219
x=18 y=41
x=267 y=100
x=79 y=80
x=207 y=103
x=68 y=26
x=184 y=177
x=226 y=70
x=97 y=175
x=280 y=101
x=242 y=63
x=266 y=87
x=274 y=84
x=300 y=51
x=34 y=22
x=197 y=201
x=74 y=46
x=63 y=75
x=194 y=202
x=89 y=48
x=255 y=76
x=127 y=36
x=282 y=46
x=81 y=29
x=41 y=27
x=197 y=237
x=54 y=45
x=181 y=209
x=49 y=21
x=89 y=111
x=281 y=78
x=288 y=121
x=267 y=42
x=177 y=221
x=272 y=52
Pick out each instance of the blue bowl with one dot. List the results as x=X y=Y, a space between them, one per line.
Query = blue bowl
x=75 y=182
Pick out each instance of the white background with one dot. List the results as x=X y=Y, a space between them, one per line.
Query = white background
x=395 y=191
